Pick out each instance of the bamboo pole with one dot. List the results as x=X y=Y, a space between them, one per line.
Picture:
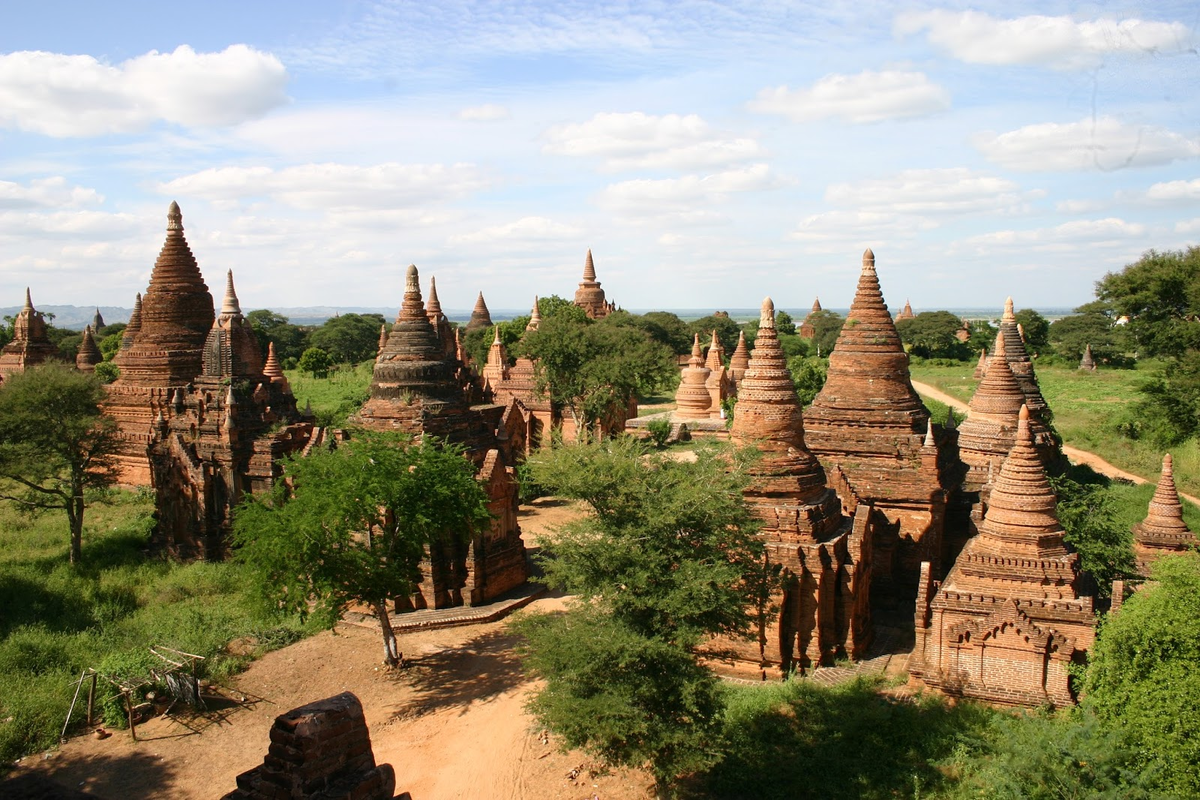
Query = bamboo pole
x=92 y=700
x=67 y=722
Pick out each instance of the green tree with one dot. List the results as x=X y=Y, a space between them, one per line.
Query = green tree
x=478 y=342
x=983 y=336
x=1036 y=328
x=808 y=374
x=667 y=559
x=1092 y=324
x=1089 y=518
x=289 y=339
x=826 y=327
x=110 y=344
x=933 y=334
x=591 y=368
x=107 y=371
x=727 y=331
x=1160 y=296
x=54 y=443
x=784 y=324
x=553 y=306
x=349 y=338
x=351 y=525
x=667 y=328
x=315 y=362
x=1142 y=675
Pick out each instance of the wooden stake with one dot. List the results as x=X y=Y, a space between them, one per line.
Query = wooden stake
x=91 y=700
x=129 y=709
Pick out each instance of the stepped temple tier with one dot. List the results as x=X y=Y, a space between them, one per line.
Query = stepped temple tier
x=1010 y=618
x=165 y=353
x=869 y=421
x=589 y=296
x=30 y=345
x=823 y=555
x=1021 y=364
x=1163 y=530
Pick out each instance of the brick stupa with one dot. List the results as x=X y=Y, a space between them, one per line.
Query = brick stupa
x=480 y=316
x=1088 y=362
x=869 y=421
x=165 y=353
x=89 y=354
x=987 y=434
x=1010 y=618
x=30 y=344
x=824 y=555
x=135 y=324
x=806 y=329
x=739 y=362
x=906 y=313
x=589 y=296
x=719 y=382
x=220 y=439
x=1021 y=364
x=692 y=399
x=417 y=389
x=1163 y=530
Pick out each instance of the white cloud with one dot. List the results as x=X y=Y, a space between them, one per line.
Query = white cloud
x=1175 y=192
x=68 y=224
x=865 y=97
x=46 y=192
x=1105 y=144
x=325 y=187
x=1079 y=206
x=1091 y=232
x=488 y=112
x=932 y=191
x=524 y=230
x=644 y=141
x=859 y=226
x=77 y=95
x=645 y=197
x=979 y=38
x=1188 y=226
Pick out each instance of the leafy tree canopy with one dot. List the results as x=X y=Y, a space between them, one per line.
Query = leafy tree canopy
x=315 y=362
x=1089 y=518
x=289 y=339
x=1160 y=294
x=591 y=368
x=55 y=443
x=553 y=306
x=826 y=327
x=349 y=338
x=350 y=525
x=784 y=324
x=1070 y=336
x=668 y=329
x=1142 y=674
x=1036 y=329
x=727 y=331
x=933 y=334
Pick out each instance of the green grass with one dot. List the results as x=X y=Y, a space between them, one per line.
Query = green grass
x=1087 y=407
x=56 y=620
x=336 y=397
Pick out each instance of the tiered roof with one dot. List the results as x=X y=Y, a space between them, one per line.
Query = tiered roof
x=1021 y=363
x=231 y=349
x=589 y=296
x=789 y=488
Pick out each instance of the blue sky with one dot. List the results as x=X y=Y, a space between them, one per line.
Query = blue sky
x=709 y=153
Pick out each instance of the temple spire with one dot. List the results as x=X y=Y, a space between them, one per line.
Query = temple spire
x=28 y=301
x=589 y=268
x=230 y=305
x=535 y=316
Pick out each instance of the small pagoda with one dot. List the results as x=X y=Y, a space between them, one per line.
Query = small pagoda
x=30 y=344
x=589 y=296
x=1163 y=530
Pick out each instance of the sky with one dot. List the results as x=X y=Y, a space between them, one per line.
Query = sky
x=708 y=153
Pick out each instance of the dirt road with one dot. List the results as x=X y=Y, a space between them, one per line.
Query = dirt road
x=1074 y=453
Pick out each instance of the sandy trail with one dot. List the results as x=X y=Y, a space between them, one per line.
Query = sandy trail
x=453 y=724
x=1074 y=453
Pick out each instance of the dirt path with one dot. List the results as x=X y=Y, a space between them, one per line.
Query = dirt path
x=453 y=725
x=1074 y=453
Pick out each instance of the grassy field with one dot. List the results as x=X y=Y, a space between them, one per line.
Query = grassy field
x=1087 y=407
x=336 y=397
x=56 y=620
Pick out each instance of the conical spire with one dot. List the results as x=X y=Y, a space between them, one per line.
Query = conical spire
x=271 y=369
x=434 y=306
x=816 y=306
x=1020 y=362
x=768 y=417
x=535 y=316
x=998 y=392
x=692 y=400
x=97 y=321
x=131 y=330
x=497 y=360
x=1088 y=362
x=230 y=305
x=480 y=317
x=589 y=268
x=739 y=362
x=383 y=337
x=929 y=440
x=868 y=383
x=28 y=301
x=590 y=296
x=981 y=364
x=1164 y=528
x=714 y=361
x=89 y=354
x=1021 y=520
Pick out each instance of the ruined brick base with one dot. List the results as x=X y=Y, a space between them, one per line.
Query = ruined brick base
x=321 y=750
